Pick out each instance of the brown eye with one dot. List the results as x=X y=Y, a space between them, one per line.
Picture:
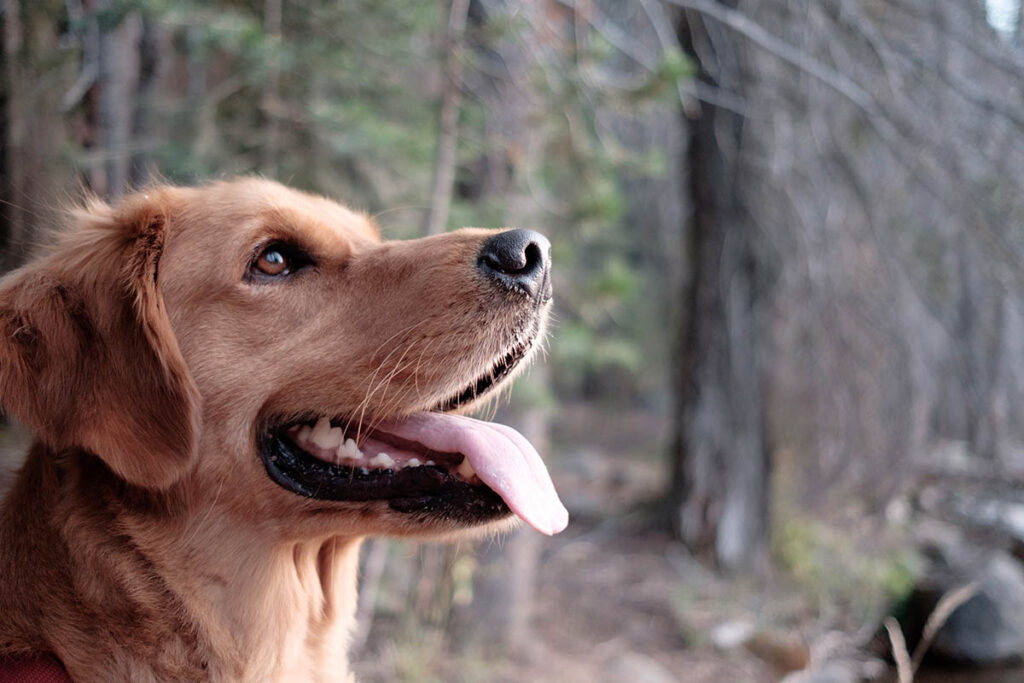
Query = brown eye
x=277 y=261
x=273 y=261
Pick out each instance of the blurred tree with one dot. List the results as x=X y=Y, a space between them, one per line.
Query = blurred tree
x=271 y=102
x=33 y=130
x=719 y=489
x=448 y=119
x=867 y=230
x=500 y=614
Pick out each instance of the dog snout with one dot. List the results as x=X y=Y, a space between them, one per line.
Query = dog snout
x=519 y=259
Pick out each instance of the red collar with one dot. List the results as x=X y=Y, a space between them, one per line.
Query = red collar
x=33 y=669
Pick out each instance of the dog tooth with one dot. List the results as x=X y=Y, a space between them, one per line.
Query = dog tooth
x=465 y=469
x=352 y=450
x=382 y=460
x=363 y=470
x=320 y=431
x=330 y=439
x=304 y=432
x=430 y=462
x=413 y=462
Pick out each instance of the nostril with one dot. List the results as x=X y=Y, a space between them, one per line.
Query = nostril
x=517 y=258
x=532 y=257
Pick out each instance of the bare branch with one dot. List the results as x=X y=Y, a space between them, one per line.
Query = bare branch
x=904 y=668
x=949 y=603
x=756 y=33
x=689 y=92
x=931 y=172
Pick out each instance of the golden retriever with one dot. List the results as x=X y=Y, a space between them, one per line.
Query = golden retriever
x=228 y=387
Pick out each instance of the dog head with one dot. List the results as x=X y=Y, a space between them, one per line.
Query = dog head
x=264 y=344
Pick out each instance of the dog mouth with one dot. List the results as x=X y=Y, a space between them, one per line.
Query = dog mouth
x=501 y=369
x=436 y=463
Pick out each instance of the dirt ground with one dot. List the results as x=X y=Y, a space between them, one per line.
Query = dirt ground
x=615 y=599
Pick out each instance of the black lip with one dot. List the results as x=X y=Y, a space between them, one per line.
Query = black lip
x=501 y=369
x=426 y=489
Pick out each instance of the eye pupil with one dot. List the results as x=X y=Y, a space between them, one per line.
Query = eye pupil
x=273 y=262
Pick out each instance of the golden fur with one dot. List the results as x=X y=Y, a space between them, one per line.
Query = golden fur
x=142 y=539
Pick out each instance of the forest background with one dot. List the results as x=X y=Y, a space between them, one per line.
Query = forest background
x=783 y=393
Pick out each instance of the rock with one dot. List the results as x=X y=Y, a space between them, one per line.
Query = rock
x=851 y=669
x=783 y=650
x=986 y=630
x=732 y=634
x=829 y=672
x=638 y=668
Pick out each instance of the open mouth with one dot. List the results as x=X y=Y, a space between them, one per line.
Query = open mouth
x=409 y=477
x=445 y=465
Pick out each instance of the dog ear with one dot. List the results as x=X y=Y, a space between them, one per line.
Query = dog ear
x=87 y=355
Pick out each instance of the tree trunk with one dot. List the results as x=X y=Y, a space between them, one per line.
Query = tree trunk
x=143 y=132
x=719 y=495
x=116 y=80
x=448 y=128
x=12 y=217
x=272 y=90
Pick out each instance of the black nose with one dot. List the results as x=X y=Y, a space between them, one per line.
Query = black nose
x=519 y=259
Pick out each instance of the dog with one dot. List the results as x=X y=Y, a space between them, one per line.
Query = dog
x=229 y=387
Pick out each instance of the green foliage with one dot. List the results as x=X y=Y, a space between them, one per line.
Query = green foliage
x=606 y=290
x=840 y=573
x=529 y=392
x=349 y=99
x=355 y=117
x=580 y=350
x=672 y=68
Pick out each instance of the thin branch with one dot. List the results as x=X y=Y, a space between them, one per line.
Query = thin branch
x=615 y=36
x=690 y=93
x=963 y=88
x=949 y=603
x=669 y=40
x=1008 y=61
x=753 y=31
x=904 y=668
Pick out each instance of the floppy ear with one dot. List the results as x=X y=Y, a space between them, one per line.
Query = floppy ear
x=87 y=355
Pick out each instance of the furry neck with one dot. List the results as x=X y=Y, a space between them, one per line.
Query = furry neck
x=123 y=587
x=277 y=611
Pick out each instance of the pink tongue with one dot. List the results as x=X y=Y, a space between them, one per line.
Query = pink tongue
x=502 y=458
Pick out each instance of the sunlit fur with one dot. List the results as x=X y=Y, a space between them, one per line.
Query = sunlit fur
x=141 y=337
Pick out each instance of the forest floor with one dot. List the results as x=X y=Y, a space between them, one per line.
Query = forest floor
x=619 y=601
x=616 y=600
